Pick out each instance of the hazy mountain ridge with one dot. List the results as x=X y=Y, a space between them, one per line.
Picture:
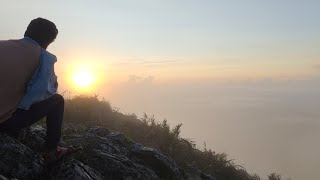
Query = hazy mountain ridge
x=92 y=124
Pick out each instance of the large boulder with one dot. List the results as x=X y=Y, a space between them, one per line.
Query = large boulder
x=117 y=156
x=18 y=161
x=162 y=165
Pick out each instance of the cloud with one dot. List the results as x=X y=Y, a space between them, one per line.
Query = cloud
x=149 y=63
x=159 y=63
x=134 y=79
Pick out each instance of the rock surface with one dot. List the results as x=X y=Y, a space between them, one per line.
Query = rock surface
x=3 y=178
x=105 y=155
x=19 y=161
x=110 y=152
x=74 y=169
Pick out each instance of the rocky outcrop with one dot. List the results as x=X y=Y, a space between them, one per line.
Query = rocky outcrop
x=19 y=161
x=118 y=157
x=105 y=155
x=74 y=169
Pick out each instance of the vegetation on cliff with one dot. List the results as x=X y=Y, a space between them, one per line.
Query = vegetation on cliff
x=90 y=111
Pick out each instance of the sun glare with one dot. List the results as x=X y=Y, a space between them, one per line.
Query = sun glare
x=83 y=79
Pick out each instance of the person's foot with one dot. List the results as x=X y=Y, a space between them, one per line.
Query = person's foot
x=56 y=154
x=59 y=153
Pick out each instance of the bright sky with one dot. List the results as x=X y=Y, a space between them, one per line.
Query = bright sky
x=178 y=39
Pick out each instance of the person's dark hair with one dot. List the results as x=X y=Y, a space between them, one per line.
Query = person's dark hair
x=42 y=31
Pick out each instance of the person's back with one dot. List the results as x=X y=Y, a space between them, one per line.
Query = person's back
x=28 y=86
x=19 y=60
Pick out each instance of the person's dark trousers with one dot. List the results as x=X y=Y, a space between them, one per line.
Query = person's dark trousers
x=52 y=109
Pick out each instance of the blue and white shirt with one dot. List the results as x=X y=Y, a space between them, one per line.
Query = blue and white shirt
x=43 y=83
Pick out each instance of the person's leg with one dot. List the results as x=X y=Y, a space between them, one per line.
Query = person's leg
x=52 y=109
x=54 y=123
x=19 y=120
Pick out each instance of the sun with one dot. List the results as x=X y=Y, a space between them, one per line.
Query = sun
x=83 y=79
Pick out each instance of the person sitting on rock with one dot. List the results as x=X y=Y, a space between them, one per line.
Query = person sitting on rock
x=28 y=86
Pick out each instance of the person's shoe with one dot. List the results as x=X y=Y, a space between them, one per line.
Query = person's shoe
x=59 y=153
x=56 y=154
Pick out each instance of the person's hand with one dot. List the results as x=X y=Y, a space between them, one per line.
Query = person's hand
x=56 y=84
